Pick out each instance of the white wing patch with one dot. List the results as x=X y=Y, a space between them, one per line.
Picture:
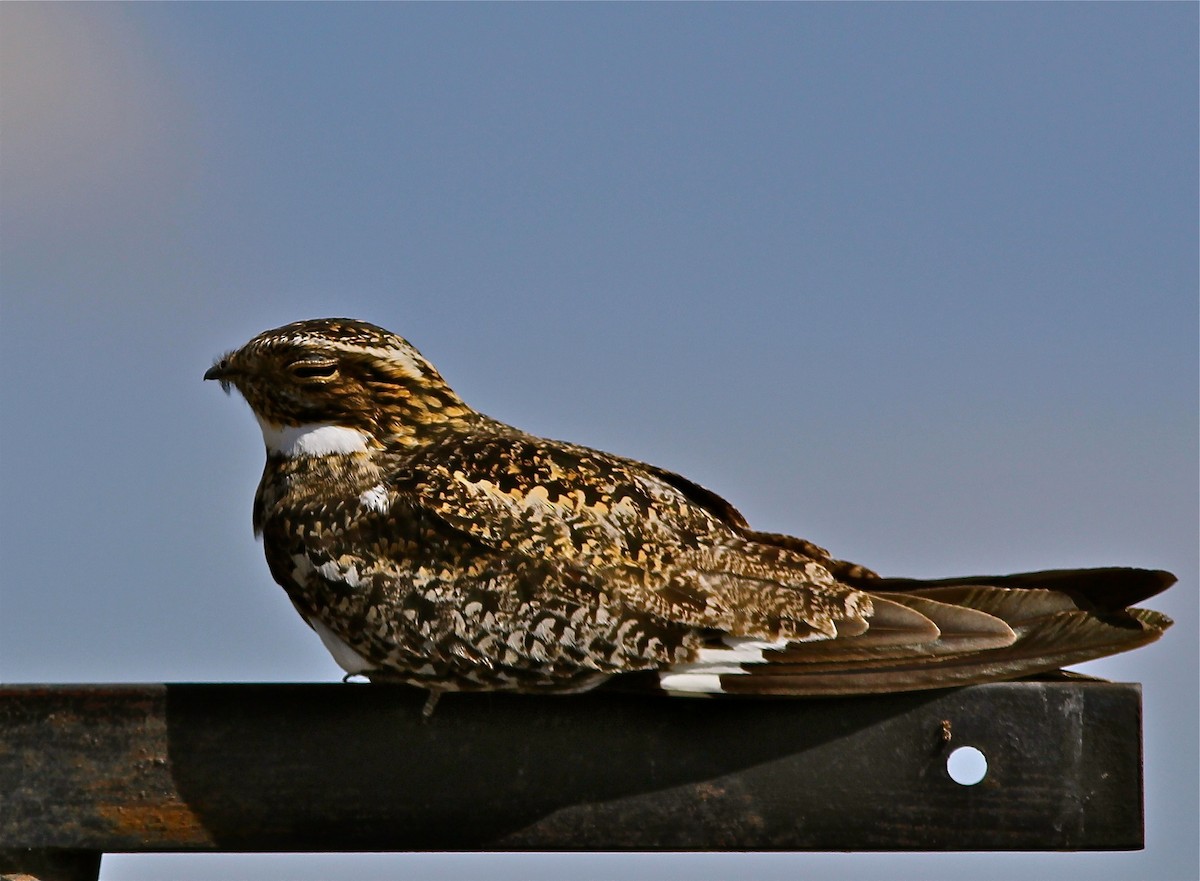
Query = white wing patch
x=313 y=439
x=703 y=675
x=347 y=658
x=690 y=684
x=742 y=650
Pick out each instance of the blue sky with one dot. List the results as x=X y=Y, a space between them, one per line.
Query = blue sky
x=918 y=282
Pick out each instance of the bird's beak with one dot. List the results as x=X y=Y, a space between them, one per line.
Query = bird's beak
x=222 y=372
x=222 y=369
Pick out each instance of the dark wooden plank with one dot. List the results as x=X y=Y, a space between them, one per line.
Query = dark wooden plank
x=354 y=768
x=24 y=864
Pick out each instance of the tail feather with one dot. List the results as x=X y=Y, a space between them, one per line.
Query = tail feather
x=949 y=632
x=1105 y=589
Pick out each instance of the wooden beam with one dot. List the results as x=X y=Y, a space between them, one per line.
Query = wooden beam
x=92 y=768
x=25 y=864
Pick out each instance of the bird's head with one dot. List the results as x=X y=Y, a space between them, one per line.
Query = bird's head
x=336 y=385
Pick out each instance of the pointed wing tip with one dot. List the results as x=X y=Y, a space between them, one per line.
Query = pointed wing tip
x=1164 y=578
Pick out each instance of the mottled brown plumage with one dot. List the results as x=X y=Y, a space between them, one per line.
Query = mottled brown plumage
x=430 y=544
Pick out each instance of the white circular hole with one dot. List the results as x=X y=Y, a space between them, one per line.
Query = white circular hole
x=966 y=766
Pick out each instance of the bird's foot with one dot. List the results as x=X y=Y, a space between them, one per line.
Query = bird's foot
x=431 y=702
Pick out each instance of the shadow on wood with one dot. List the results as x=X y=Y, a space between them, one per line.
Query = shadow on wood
x=354 y=767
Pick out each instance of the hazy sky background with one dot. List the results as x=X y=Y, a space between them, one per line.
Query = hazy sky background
x=918 y=282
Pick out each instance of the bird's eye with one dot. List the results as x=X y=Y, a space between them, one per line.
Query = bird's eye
x=313 y=368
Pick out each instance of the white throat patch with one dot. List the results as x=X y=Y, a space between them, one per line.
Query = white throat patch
x=313 y=439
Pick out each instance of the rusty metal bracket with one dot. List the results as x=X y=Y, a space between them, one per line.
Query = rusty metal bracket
x=88 y=769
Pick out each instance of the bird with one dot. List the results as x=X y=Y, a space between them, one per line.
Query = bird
x=429 y=544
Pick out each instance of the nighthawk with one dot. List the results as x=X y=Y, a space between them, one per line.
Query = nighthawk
x=429 y=544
